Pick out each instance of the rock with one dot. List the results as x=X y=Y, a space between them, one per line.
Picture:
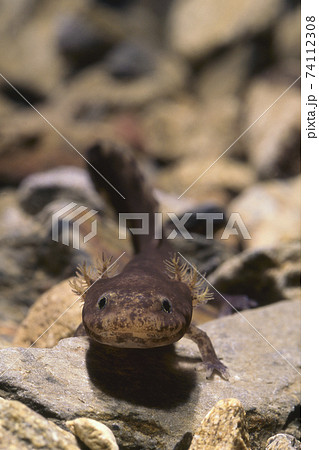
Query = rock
x=23 y=429
x=30 y=261
x=16 y=230
x=3 y=342
x=14 y=221
x=184 y=128
x=31 y=264
x=266 y=274
x=75 y=30
x=270 y=211
x=206 y=255
x=94 y=86
x=171 y=129
x=80 y=41
x=40 y=189
x=224 y=427
x=287 y=35
x=153 y=398
x=26 y=31
x=11 y=316
x=273 y=143
x=34 y=95
x=215 y=25
x=283 y=442
x=195 y=223
x=225 y=75
x=116 y=4
x=130 y=60
x=216 y=185
x=25 y=133
x=95 y=435
x=55 y=315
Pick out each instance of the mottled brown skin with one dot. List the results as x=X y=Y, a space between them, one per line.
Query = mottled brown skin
x=143 y=306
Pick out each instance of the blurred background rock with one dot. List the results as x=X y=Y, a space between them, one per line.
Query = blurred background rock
x=178 y=81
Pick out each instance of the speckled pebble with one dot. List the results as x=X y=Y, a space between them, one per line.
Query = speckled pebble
x=223 y=428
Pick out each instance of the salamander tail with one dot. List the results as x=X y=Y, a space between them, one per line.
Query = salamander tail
x=116 y=175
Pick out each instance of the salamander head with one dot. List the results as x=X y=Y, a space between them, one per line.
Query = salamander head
x=137 y=312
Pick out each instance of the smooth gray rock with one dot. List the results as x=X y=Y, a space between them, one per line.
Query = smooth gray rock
x=153 y=398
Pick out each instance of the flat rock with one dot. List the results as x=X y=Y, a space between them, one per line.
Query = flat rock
x=153 y=398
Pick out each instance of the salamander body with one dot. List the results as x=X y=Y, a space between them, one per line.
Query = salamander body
x=150 y=303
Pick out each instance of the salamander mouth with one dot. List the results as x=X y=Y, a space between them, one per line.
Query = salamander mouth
x=134 y=340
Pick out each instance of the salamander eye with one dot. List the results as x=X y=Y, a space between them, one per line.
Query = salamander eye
x=166 y=306
x=102 y=301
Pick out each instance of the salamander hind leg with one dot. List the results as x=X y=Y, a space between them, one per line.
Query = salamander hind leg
x=210 y=360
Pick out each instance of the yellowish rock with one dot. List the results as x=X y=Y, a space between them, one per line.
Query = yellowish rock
x=94 y=434
x=214 y=24
x=205 y=180
x=54 y=316
x=270 y=211
x=224 y=428
x=273 y=143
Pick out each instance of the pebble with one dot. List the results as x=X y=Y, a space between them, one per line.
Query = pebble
x=78 y=41
x=130 y=60
x=283 y=441
x=223 y=428
x=94 y=434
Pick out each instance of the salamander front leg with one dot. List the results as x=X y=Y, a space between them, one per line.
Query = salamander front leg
x=210 y=360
